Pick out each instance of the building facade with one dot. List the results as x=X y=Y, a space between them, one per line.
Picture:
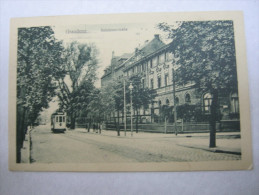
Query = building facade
x=155 y=64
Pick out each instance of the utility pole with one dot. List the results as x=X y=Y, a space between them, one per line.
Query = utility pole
x=125 y=113
x=175 y=104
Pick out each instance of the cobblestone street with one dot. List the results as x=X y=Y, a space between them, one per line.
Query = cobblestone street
x=79 y=146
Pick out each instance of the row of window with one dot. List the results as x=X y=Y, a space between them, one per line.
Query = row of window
x=187 y=100
x=207 y=100
x=234 y=104
x=60 y=119
x=151 y=63
x=159 y=81
x=158 y=59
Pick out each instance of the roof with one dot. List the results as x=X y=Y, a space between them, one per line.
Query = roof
x=116 y=61
x=129 y=59
x=152 y=46
x=145 y=50
x=125 y=56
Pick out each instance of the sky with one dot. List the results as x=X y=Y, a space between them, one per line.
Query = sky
x=120 y=38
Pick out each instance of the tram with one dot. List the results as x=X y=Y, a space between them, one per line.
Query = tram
x=58 y=122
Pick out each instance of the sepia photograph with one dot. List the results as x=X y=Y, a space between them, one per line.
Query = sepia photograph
x=129 y=92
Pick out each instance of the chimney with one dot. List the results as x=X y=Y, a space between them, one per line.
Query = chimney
x=112 y=54
x=156 y=36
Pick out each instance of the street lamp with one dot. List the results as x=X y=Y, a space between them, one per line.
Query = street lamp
x=131 y=88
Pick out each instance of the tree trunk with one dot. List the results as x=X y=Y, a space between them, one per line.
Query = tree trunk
x=137 y=121
x=213 y=118
x=21 y=128
x=212 y=125
x=73 y=122
x=115 y=123
x=118 y=123
x=19 y=134
x=165 y=125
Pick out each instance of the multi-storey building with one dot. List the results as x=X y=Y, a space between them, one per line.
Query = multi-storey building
x=155 y=63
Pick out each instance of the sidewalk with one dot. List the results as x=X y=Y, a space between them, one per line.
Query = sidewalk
x=226 y=142
x=25 y=150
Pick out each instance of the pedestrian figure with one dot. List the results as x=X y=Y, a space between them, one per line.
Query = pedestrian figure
x=97 y=127
x=94 y=127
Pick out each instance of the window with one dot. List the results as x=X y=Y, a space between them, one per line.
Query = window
x=167 y=102
x=64 y=119
x=60 y=118
x=207 y=99
x=187 y=98
x=151 y=64
x=158 y=82
x=143 y=83
x=165 y=56
x=56 y=118
x=166 y=79
x=152 y=83
x=158 y=59
x=234 y=105
x=159 y=103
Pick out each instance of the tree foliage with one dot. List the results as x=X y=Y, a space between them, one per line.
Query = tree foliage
x=39 y=57
x=142 y=97
x=204 y=52
x=80 y=65
x=113 y=97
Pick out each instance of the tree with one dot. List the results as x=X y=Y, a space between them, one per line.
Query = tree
x=95 y=108
x=81 y=98
x=186 y=112
x=205 y=52
x=39 y=56
x=112 y=101
x=113 y=98
x=166 y=114
x=142 y=97
x=81 y=64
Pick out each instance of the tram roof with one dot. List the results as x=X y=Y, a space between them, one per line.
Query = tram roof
x=58 y=113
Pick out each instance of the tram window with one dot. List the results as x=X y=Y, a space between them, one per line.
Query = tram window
x=63 y=119
x=60 y=118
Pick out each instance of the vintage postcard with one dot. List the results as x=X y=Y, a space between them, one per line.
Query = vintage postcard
x=129 y=92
